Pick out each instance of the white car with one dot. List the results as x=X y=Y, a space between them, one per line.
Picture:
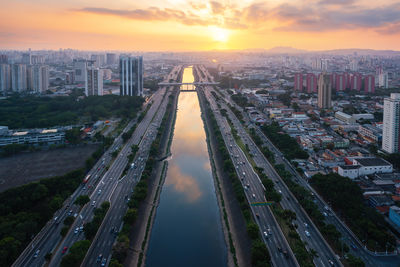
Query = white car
x=76 y=230
x=307 y=233
x=266 y=234
x=254 y=195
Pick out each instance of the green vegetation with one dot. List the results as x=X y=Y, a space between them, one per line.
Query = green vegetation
x=37 y=112
x=25 y=210
x=82 y=200
x=285 y=99
x=260 y=254
x=264 y=149
x=241 y=100
x=394 y=159
x=76 y=254
x=99 y=214
x=121 y=247
x=366 y=223
x=288 y=145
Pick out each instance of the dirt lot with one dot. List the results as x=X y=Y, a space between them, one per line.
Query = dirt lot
x=27 y=167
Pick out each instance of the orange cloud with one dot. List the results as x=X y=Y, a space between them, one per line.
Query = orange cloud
x=182 y=183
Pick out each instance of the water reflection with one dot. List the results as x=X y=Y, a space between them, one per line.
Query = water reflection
x=187 y=227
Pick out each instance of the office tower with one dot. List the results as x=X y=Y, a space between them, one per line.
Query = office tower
x=3 y=59
x=369 y=84
x=298 y=82
x=324 y=64
x=311 y=83
x=324 y=91
x=356 y=80
x=379 y=70
x=383 y=80
x=94 y=82
x=340 y=82
x=391 y=124
x=18 y=78
x=26 y=58
x=80 y=66
x=333 y=80
x=40 y=78
x=5 y=78
x=111 y=58
x=131 y=75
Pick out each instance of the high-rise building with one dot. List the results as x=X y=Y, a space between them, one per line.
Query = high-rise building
x=111 y=58
x=356 y=80
x=354 y=65
x=5 y=78
x=40 y=78
x=18 y=78
x=311 y=83
x=391 y=124
x=70 y=77
x=383 y=80
x=369 y=84
x=340 y=82
x=3 y=59
x=324 y=91
x=94 y=82
x=26 y=58
x=29 y=77
x=99 y=60
x=298 y=82
x=131 y=75
x=80 y=66
x=37 y=59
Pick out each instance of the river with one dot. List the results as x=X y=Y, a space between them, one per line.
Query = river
x=187 y=229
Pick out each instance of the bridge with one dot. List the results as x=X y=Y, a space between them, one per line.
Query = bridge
x=188 y=85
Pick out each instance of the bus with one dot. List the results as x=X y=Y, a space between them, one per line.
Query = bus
x=86 y=179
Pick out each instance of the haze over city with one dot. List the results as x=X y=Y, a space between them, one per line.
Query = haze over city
x=230 y=133
x=178 y=25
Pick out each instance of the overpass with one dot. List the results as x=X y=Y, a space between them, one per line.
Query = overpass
x=189 y=86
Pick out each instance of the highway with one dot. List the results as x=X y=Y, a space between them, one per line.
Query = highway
x=356 y=247
x=48 y=240
x=307 y=231
x=254 y=192
x=103 y=242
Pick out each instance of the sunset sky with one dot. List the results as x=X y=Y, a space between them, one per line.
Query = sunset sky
x=199 y=25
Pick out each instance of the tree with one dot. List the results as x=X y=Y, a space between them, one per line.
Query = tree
x=130 y=216
x=82 y=200
x=69 y=220
x=76 y=254
x=259 y=254
x=252 y=230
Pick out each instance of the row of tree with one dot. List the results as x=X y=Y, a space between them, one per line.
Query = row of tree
x=259 y=252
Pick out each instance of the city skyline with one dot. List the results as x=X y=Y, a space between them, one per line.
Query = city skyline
x=178 y=25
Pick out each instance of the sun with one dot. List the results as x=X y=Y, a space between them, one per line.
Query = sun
x=219 y=34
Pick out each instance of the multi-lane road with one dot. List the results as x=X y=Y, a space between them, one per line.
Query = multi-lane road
x=103 y=185
x=305 y=228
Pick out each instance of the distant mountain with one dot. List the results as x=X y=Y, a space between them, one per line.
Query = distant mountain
x=357 y=51
x=285 y=50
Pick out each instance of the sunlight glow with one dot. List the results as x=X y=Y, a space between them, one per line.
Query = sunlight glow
x=219 y=34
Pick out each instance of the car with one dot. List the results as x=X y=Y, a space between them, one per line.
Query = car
x=254 y=195
x=81 y=228
x=266 y=234
x=305 y=225
x=36 y=253
x=94 y=202
x=64 y=250
x=69 y=213
x=244 y=174
x=99 y=192
x=331 y=262
x=279 y=249
x=103 y=262
x=325 y=214
x=286 y=254
x=280 y=191
x=76 y=230
x=353 y=246
x=307 y=233
x=99 y=257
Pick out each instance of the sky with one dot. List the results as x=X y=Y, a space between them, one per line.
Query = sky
x=179 y=25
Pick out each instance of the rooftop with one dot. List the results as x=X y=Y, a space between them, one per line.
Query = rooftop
x=372 y=162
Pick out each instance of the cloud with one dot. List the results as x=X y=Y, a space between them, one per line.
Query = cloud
x=304 y=16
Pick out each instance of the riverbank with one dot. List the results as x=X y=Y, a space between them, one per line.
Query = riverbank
x=146 y=212
x=234 y=224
